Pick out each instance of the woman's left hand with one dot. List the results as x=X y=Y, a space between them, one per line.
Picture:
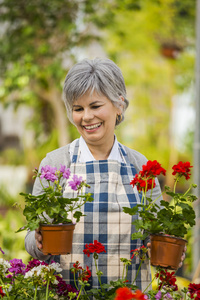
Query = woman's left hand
x=182 y=257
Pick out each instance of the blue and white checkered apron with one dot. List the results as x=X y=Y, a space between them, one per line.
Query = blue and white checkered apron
x=105 y=220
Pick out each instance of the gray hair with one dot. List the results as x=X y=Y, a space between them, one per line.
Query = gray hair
x=100 y=75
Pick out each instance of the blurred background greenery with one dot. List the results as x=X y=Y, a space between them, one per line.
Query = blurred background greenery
x=153 y=42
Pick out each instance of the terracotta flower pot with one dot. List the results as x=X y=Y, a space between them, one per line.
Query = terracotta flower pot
x=57 y=239
x=166 y=251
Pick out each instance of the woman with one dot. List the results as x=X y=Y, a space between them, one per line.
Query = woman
x=95 y=98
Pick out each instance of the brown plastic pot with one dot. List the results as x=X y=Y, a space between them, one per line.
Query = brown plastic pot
x=166 y=251
x=57 y=239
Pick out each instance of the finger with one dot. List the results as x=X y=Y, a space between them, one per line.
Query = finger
x=183 y=257
x=149 y=245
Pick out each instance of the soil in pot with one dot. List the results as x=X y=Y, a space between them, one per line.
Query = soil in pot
x=166 y=251
x=57 y=239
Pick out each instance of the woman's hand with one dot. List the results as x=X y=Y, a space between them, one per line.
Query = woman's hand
x=182 y=257
x=38 y=239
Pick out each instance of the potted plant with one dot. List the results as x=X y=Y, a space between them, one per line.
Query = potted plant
x=53 y=213
x=169 y=220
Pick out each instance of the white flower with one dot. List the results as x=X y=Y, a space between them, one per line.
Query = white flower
x=56 y=281
x=4 y=266
x=29 y=273
x=56 y=267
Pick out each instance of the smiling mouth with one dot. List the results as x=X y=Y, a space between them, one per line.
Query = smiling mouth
x=89 y=127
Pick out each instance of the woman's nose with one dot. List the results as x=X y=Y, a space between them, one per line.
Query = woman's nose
x=87 y=115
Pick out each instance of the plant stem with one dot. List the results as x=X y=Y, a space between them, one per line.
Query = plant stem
x=75 y=282
x=175 y=201
x=79 y=293
x=35 y=295
x=187 y=190
x=99 y=277
x=47 y=290
x=155 y=200
x=149 y=284
x=123 y=271
x=138 y=270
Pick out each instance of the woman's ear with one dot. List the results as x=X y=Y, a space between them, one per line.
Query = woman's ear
x=122 y=98
x=121 y=104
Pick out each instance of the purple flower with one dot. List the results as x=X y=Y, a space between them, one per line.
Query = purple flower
x=76 y=181
x=17 y=266
x=65 y=171
x=158 y=295
x=48 y=173
x=34 y=263
x=168 y=296
x=2 y=251
x=63 y=288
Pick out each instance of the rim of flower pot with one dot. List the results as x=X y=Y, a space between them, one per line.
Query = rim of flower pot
x=169 y=236
x=59 y=225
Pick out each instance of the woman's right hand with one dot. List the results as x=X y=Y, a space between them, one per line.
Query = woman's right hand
x=38 y=239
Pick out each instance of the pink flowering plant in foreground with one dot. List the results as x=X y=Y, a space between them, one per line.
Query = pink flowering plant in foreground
x=41 y=281
x=51 y=207
x=35 y=281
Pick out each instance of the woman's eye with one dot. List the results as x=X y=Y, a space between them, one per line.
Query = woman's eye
x=78 y=109
x=95 y=106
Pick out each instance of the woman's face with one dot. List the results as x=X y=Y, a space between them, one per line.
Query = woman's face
x=95 y=118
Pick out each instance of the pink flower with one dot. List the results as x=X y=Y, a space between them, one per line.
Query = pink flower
x=65 y=171
x=48 y=173
x=75 y=183
x=17 y=266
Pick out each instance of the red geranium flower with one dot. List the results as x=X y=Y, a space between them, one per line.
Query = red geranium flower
x=142 y=183
x=141 y=252
x=77 y=266
x=152 y=169
x=194 y=289
x=94 y=248
x=123 y=293
x=1 y=292
x=167 y=278
x=85 y=275
x=145 y=181
x=182 y=169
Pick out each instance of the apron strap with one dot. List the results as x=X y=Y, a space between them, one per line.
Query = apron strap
x=76 y=152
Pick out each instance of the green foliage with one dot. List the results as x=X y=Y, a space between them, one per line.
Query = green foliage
x=171 y=218
x=135 y=42
x=12 y=245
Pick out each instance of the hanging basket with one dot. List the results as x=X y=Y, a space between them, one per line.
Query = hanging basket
x=57 y=239
x=166 y=251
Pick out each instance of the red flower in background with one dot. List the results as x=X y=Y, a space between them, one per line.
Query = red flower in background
x=94 y=248
x=182 y=169
x=85 y=275
x=194 y=290
x=167 y=278
x=1 y=292
x=77 y=266
x=123 y=293
x=141 y=252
